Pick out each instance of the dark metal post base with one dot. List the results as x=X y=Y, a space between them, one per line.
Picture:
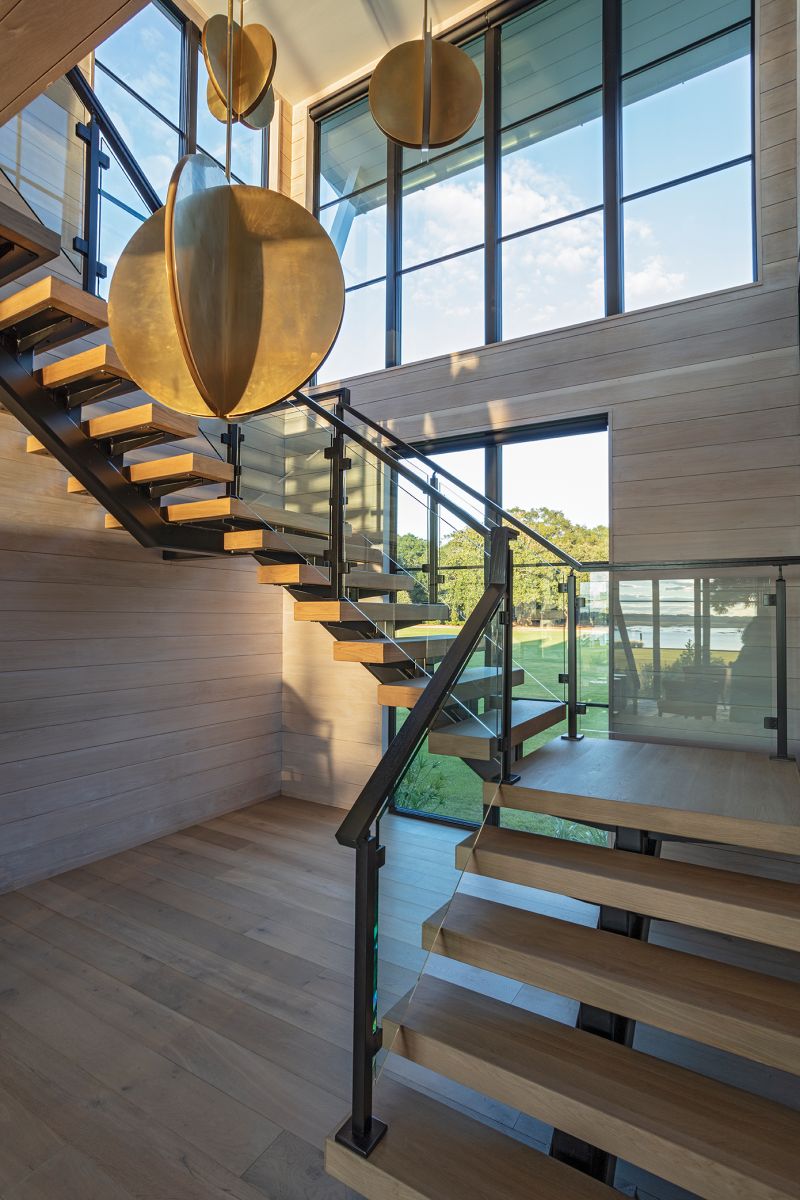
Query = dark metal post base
x=361 y=1143
x=572 y=737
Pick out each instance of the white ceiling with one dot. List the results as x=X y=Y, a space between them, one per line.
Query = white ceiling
x=326 y=42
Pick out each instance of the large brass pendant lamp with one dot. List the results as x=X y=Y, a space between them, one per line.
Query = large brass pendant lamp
x=229 y=297
x=426 y=93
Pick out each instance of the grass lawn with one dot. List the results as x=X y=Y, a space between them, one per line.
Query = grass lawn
x=448 y=787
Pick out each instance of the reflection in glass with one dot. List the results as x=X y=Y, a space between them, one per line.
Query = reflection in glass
x=443 y=307
x=361 y=345
x=352 y=152
x=552 y=166
x=550 y=55
x=689 y=239
x=688 y=114
x=357 y=228
x=443 y=207
x=44 y=161
x=146 y=54
x=554 y=277
x=694 y=659
x=652 y=29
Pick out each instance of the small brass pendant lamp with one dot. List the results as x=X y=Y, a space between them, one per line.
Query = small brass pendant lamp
x=425 y=94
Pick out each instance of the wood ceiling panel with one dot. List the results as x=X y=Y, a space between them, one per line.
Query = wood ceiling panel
x=41 y=39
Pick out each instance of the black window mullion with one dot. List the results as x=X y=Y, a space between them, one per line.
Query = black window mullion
x=191 y=50
x=394 y=230
x=612 y=154
x=491 y=169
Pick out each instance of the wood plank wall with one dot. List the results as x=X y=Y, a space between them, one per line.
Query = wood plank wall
x=702 y=397
x=136 y=696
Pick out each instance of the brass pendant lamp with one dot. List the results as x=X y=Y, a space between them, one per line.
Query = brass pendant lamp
x=254 y=58
x=426 y=93
x=229 y=297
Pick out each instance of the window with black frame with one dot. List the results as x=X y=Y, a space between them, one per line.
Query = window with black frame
x=551 y=167
x=138 y=80
x=351 y=186
x=141 y=79
x=619 y=146
x=441 y=246
x=687 y=149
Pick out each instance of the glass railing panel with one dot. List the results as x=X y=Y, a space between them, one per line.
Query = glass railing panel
x=693 y=658
x=439 y=782
x=593 y=653
x=44 y=160
x=420 y=876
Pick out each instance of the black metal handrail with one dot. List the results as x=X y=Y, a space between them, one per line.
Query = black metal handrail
x=117 y=144
x=384 y=779
x=408 y=451
x=341 y=426
x=363 y=1130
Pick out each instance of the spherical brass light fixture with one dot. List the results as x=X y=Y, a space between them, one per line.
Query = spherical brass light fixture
x=425 y=94
x=227 y=299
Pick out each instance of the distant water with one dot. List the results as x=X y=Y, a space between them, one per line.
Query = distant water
x=674 y=637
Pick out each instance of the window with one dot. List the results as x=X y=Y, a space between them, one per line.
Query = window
x=141 y=79
x=547 y=212
x=352 y=208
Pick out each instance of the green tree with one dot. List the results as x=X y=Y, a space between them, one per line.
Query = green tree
x=412 y=554
x=535 y=588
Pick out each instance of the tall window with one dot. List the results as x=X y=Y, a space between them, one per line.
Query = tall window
x=138 y=80
x=687 y=165
x=352 y=208
x=441 y=253
x=611 y=168
x=142 y=79
x=551 y=167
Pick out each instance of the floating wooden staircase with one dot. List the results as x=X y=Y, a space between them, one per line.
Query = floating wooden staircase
x=709 y=1137
x=699 y=1134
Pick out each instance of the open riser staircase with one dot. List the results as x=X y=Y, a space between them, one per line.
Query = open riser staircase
x=604 y=1098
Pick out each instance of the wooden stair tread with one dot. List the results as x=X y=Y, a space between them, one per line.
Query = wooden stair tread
x=476 y=737
x=143 y=419
x=306 y=575
x=286 y=519
x=700 y=1134
x=180 y=466
x=25 y=243
x=34 y=446
x=222 y=508
x=738 y=797
x=255 y=541
x=367 y=612
x=30 y=312
x=95 y=367
x=433 y=1152
x=747 y=906
x=740 y=1011
x=388 y=650
x=472 y=683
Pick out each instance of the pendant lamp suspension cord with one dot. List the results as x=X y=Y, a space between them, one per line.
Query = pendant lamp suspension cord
x=427 y=74
x=229 y=81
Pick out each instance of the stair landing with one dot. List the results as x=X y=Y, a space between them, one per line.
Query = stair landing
x=733 y=796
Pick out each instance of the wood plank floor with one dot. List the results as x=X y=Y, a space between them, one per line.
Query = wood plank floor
x=175 y=1021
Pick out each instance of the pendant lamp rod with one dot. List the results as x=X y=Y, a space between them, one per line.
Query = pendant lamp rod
x=229 y=113
x=427 y=74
